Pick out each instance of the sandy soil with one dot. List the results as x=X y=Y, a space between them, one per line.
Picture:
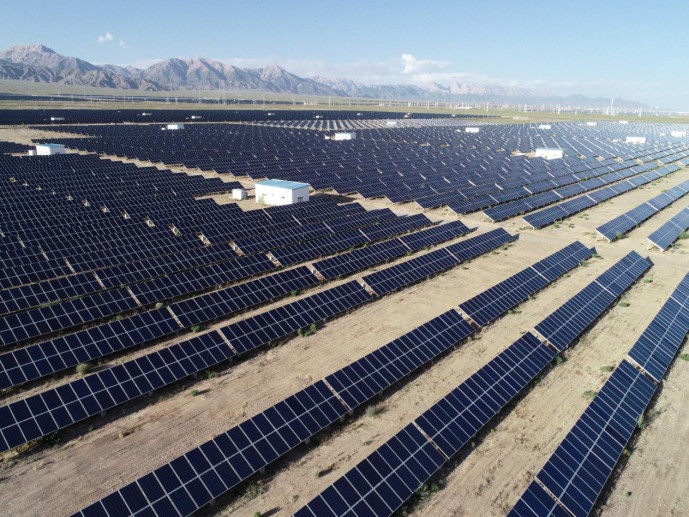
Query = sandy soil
x=105 y=453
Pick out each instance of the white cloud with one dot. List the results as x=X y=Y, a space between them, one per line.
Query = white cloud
x=105 y=37
x=416 y=66
x=122 y=44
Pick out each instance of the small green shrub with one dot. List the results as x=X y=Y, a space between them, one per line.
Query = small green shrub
x=589 y=394
x=684 y=357
x=194 y=393
x=83 y=368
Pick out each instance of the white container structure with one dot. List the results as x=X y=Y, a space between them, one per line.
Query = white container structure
x=471 y=130
x=238 y=194
x=196 y=117
x=49 y=149
x=344 y=136
x=636 y=140
x=549 y=153
x=146 y=114
x=678 y=134
x=544 y=126
x=624 y=122
x=280 y=192
x=172 y=127
x=390 y=122
x=592 y=123
x=57 y=119
x=32 y=152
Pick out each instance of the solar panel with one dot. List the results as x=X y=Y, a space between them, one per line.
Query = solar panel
x=193 y=480
x=51 y=410
x=664 y=236
x=564 y=325
x=359 y=259
x=435 y=235
x=383 y=481
x=495 y=301
x=370 y=375
x=662 y=339
x=282 y=321
x=581 y=465
x=245 y=449
x=413 y=270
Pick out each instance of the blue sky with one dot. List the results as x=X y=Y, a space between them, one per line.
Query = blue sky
x=634 y=50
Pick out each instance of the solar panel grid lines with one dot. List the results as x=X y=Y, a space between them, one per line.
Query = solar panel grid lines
x=537 y=502
x=361 y=380
x=549 y=215
x=58 y=354
x=245 y=449
x=562 y=327
x=669 y=232
x=495 y=301
x=194 y=479
x=383 y=481
x=49 y=411
x=657 y=347
x=423 y=266
x=580 y=467
x=280 y=322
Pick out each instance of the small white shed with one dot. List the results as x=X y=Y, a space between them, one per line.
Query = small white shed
x=624 y=122
x=636 y=140
x=196 y=117
x=172 y=127
x=679 y=134
x=57 y=119
x=344 y=136
x=549 y=153
x=49 y=149
x=390 y=122
x=471 y=130
x=238 y=194
x=592 y=123
x=281 y=192
x=544 y=126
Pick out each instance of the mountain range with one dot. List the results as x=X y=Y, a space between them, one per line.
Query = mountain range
x=38 y=63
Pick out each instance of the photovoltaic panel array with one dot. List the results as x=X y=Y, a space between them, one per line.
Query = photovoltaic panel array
x=573 y=206
x=662 y=339
x=382 y=482
x=576 y=473
x=359 y=259
x=191 y=481
x=392 y=278
x=63 y=352
x=664 y=236
x=41 y=414
x=491 y=303
x=631 y=219
x=564 y=325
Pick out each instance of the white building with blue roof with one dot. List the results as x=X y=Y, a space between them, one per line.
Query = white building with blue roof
x=281 y=192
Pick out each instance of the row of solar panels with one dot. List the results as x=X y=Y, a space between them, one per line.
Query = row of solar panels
x=575 y=475
x=550 y=215
x=626 y=222
x=388 y=477
x=42 y=321
x=63 y=352
x=262 y=439
x=633 y=178
x=54 y=409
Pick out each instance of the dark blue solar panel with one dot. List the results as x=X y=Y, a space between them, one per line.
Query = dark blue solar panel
x=580 y=467
x=565 y=325
x=495 y=301
x=662 y=339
